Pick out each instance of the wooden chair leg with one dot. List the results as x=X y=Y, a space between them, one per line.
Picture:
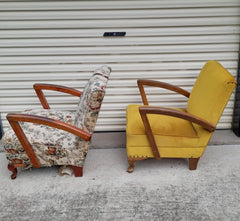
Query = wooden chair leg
x=131 y=165
x=193 y=162
x=13 y=169
x=131 y=162
x=78 y=172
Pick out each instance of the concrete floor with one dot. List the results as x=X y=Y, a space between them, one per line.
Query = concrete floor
x=156 y=190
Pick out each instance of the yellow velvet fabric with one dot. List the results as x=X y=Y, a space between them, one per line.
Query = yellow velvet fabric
x=176 y=137
x=170 y=133
x=170 y=126
x=210 y=93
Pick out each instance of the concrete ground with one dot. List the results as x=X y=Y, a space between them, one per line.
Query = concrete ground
x=156 y=190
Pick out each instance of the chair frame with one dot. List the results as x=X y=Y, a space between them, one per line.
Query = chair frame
x=164 y=111
x=14 y=120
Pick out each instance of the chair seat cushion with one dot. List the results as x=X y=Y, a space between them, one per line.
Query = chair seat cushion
x=160 y=124
x=52 y=146
x=174 y=137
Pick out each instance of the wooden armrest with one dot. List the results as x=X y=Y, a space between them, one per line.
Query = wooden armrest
x=170 y=112
x=39 y=87
x=179 y=114
x=49 y=122
x=142 y=82
x=15 y=118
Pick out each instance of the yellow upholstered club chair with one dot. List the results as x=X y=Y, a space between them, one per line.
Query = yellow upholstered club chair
x=157 y=132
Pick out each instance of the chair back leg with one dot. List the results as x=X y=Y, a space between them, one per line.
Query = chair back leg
x=193 y=162
x=78 y=171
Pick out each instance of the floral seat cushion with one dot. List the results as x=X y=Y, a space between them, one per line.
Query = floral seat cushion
x=52 y=146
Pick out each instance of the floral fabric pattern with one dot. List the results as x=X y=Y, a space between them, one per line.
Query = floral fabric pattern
x=57 y=147
x=91 y=100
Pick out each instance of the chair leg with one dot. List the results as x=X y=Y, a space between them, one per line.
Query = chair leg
x=78 y=172
x=131 y=162
x=193 y=162
x=131 y=165
x=13 y=169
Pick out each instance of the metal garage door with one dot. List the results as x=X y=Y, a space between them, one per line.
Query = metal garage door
x=61 y=42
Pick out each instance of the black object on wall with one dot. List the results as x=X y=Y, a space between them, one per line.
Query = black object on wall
x=114 y=34
x=236 y=112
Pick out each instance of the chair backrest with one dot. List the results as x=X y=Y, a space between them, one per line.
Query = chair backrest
x=91 y=99
x=211 y=92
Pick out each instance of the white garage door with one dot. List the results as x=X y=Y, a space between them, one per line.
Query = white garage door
x=61 y=42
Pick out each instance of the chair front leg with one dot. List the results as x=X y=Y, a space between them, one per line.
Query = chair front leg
x=13 y=169
x=131 y=162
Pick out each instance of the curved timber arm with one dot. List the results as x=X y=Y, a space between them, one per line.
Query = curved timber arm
x=49 y=122
x=39 y=87
x=142 y=82
x=14 y=122
x=170 y=112
x=179 y=114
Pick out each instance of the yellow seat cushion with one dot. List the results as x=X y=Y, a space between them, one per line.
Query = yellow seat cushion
x=174 y=137
x=160 y=124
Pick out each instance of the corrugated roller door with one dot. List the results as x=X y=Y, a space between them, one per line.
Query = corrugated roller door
x=61 y=42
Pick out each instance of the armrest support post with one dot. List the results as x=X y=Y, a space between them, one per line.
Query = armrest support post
x=25 y=143
x=150 y=136
x=170 y=112
x=14 y=120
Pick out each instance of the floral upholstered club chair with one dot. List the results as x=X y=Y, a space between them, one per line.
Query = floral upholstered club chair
x=157 y=132
x=46 y=137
